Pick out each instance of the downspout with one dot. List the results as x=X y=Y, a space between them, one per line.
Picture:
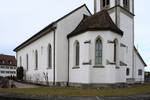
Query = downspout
x=68 y=61
x=133 y=43
x=54 y=81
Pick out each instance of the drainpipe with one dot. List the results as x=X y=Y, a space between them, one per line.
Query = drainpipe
x=54 y=80
x=68 y=61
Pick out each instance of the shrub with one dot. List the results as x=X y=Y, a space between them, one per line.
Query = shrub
x=20 y=72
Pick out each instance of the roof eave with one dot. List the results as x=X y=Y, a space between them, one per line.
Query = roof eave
x=94 y=29
x=140 y=56
x=19 y=47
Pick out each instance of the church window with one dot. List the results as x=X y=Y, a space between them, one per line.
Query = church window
x=105 y=3
x=27 y=61
x=77 y=53
x=127 y=71
x=36 y=59
x=98 y=52
x=140 y=72
x=126 y=4
x=49 y=56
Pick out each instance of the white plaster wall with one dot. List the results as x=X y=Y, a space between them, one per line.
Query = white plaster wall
x=88 y=74
x=127 y=26
x=109 y=74
x=138 y=64
x=64 y=27
x=81 y=75
x=32 y=74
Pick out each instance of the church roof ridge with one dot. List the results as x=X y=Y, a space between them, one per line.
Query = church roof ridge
x=98 y=21
x=48 y=28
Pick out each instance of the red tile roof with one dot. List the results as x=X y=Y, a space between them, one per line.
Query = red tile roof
x=8 y=60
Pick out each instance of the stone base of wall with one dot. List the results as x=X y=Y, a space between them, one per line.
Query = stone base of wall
x=63 y=84
x=98 y=85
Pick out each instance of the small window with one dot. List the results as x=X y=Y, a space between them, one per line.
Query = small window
x=140 y=72
x=127 y=71
x=2 y=71
x=105 y=3
x=126 y=4
x=9 y=62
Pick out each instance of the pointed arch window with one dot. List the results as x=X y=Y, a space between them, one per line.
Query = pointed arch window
x=36 y=59
x=49 y=56
x=77 y=53
x=98 y=52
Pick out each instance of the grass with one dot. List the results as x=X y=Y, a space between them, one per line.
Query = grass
x=71 y=91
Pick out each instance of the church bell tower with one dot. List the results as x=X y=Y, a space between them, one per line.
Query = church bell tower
x=107 y=4
x=116 y=6
x=122 y=13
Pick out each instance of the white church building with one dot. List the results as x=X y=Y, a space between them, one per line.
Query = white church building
x=85 y=49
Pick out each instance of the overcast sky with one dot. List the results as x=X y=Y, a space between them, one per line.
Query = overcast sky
x=20 y=19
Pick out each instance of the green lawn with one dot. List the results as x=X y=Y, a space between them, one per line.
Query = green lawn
x=71 y=91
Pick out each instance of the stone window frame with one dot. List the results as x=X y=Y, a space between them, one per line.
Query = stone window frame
x=101 y=50
x=76 y=58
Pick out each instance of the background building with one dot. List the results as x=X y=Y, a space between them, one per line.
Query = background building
x=8 y=65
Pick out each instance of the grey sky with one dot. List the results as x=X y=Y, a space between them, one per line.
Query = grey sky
x=20 y=19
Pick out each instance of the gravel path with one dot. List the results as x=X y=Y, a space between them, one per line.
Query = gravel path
x=24 y=85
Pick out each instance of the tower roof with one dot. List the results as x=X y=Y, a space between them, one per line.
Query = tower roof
x=99 y=21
